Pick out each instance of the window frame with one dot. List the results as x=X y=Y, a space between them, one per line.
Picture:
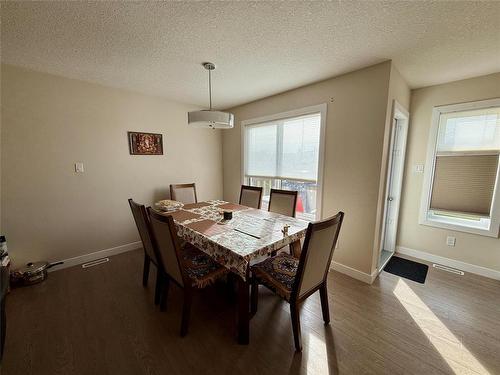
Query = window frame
x=427 y=217
x=322 y=110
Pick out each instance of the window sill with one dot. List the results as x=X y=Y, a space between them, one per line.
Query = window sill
x=451 y=224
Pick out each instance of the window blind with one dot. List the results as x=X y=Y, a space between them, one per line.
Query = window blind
x=284 y=149
x=261 y=150
x=464 y=183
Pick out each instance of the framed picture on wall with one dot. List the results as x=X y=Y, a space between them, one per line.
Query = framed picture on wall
x=145 y=143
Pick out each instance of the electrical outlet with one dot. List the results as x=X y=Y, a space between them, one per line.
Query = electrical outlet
x=450 y=241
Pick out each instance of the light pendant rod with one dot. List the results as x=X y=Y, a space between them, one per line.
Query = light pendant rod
x=210 y=87
x=209 y=66
x=211 y=118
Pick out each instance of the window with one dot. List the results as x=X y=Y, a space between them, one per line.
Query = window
x=284 y=151
x=461 y=186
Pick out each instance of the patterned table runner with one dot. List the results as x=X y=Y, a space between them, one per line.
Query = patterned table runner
x=250 y=234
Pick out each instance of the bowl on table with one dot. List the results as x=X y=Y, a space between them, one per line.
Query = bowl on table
x=167 y=205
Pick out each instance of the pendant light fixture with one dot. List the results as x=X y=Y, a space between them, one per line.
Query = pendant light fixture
x=210 y=118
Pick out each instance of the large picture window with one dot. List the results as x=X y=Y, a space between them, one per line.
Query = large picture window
x=284 y=152
x=461 y=188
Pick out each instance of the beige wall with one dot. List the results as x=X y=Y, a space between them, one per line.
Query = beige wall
x=470 y=248
x=355 y=127
x=49 y=123
x=398 y=89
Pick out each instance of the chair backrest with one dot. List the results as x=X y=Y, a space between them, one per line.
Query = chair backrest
x=185 y=193
x=283 y=202
x=142 y=223
x=250 y=196
x=316 y=255
x=165 y=239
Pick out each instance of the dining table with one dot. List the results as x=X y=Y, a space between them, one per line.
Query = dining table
x=251 y=234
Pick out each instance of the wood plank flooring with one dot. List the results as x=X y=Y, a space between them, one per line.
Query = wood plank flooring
x=102 y=321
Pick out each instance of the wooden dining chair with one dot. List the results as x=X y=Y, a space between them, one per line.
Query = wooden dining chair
x=250 y=196
x=296 y=279
x=185 y=193
x=283 y=202
x=142 y=223
x=189 y=268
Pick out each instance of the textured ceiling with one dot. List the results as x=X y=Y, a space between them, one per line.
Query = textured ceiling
x=260 y=48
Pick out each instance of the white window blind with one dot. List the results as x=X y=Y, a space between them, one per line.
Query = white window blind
x=466 y=164
x=464 y=184
x=261 y=150
x=284 y=149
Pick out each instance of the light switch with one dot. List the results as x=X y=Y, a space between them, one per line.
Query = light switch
x=79 y=167
x=418 y=168
x=450 y=241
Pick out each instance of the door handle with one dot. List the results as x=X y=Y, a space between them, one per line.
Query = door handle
x=390 y=199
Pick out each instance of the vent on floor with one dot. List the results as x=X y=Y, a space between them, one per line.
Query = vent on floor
x=95 y=262
x=448 y=269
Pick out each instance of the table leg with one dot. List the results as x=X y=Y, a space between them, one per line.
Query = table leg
x=243 y=311
x=295 y=249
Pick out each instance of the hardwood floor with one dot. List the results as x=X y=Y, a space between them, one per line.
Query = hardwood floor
x=102 y=321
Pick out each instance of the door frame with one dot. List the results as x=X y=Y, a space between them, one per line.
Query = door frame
x=399 y=117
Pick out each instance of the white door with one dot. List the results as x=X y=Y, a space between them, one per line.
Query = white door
x=394 y=191
x=394 y=184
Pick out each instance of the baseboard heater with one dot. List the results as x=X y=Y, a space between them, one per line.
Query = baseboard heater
x=448 y=269
x=95 y=262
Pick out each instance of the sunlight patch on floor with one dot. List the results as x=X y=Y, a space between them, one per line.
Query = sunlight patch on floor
x=458 y=358
x=317 y=356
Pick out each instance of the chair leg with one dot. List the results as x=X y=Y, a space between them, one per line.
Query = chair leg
x=164 y=286
x=254 y=301
x=145 y=271
x=295 y=249
x=243 y=310
x=186 y=311
x=294 y=312
x=324 y=303
x=158 y=287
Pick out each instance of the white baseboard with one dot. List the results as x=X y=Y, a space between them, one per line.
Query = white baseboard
x=98 y=254
x=467 y=267
x=354 y=273
x=70 y=262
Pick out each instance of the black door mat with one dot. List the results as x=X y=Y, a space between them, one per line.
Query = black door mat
x=407 y=268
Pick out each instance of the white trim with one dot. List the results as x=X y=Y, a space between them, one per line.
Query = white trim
x=467 y=267
x=380 y=267
x=70 y=262
x=284 y=115
x=75 y=261
x=322 y=110
x=425 y=199
x=398 y=113
x=354 y=273
x=468 y=106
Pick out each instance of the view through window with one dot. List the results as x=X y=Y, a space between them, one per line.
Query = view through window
x=284 y=154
